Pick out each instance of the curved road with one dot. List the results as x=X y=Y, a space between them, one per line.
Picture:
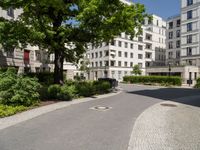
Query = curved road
x=80 y=128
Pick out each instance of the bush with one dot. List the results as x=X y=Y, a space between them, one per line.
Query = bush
x=102 y=87
x=18 y=90
x=197 y=84
x=54 y=91
x=85 y=89
x=162 y=80
x=6 y=111
x=68 y=92
x=46 y=78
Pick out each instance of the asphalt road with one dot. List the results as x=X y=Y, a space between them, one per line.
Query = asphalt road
x=80 y=128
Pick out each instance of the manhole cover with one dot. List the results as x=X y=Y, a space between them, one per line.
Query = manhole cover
x=101 y=108
x=168 y=105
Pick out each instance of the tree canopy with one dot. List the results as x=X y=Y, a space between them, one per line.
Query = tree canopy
x=65 y=27
x=136 y=70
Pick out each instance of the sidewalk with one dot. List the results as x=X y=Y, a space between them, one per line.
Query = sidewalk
x=174 y=126
x=30 y=114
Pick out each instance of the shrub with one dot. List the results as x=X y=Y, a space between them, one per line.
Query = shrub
x=197 y=84
x=68 y=92
x=18 y=90
x=45 y=78
x=85 y=89
x=102 y=87
x=162 y=80
x=54 y=91
x=6 y=111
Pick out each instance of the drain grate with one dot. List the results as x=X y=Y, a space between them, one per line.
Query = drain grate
x=168 y=105
x=101 y=108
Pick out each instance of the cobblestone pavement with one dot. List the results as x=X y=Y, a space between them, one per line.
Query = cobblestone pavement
x=167 y=127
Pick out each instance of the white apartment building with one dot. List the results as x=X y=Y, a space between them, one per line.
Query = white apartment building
x=188 y=65
x=173 y=40
x=155 y=41
x=116 y=59
x=190 y=32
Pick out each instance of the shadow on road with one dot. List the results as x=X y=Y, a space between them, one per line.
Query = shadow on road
x=181 y=95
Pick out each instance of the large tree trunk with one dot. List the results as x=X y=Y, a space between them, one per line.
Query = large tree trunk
x=58 y=67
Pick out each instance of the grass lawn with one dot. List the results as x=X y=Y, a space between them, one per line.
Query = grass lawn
x=6 y=111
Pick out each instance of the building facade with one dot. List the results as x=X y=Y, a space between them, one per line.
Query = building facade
x=173 y=41
x=30 y=59
x=190 y=32
x=116 y=59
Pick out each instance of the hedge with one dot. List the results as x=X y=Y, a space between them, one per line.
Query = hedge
x=197 y=84
x=163 y=80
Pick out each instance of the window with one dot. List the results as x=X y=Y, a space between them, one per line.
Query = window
x=140 y=39
x=178 y=44
x=126 y=45
x=189 y=51
x=96 y=55
x=131 y=64
x=140 y=47
x=140 y=65
x=171 y=25
x=100 y=54
x=119 y=63
x=125 y=64
x=92 y=55
x=189 y=2
x=125 y=54
x=106 y=63
x=119 y=54
x=96 y=64
x=170 y=55
x=119 y=43
x=189 y=39
x=10 y=53
x=189 y=14
x=140 y=56
x=112 y=63
x=106 y=53
x=131 y=55
x=189 y=27
x=113 y=42
x=177 y=54
x=178 y=33
x=170 y=45
x=101 y=64
x=10 y=12
x=131 y=46
x=170 y=35
x=178 y=23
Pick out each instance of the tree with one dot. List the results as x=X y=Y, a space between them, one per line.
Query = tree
x=136 y=70
x=65 y=27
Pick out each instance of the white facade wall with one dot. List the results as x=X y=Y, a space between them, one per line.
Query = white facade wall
x=173 y=37
x=123 y=53
x=190 y=51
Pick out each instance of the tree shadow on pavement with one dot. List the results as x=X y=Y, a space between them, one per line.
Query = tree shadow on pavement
x=181 y=95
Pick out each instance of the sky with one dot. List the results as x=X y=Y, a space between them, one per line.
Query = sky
x=162 y=8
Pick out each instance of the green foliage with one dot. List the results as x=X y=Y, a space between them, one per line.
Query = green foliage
x=102 y=87
x=197 y=84
x=68 y=92
x=18 y=90
x=6 y=111
x=85 y=89
x=45 y=78
x=162 y=80
x=42 y=24
x=136 y=70
x=54 y=91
